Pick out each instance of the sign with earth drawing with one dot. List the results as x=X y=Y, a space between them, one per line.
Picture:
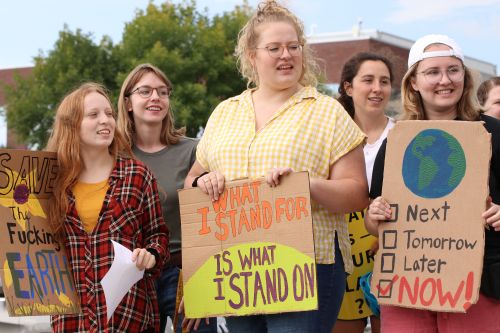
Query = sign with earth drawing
x=249 y=252
x=35 y=272
x=436 y=181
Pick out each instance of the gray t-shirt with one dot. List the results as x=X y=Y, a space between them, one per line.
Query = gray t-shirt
x=170 y=167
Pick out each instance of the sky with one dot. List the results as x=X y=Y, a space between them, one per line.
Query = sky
x=32 y=26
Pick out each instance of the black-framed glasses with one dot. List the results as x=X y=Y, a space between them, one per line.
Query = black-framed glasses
x=276 y=50
x=435 y=75
x=147 y=91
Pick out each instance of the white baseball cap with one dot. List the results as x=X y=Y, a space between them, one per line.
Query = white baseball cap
x=417 y=51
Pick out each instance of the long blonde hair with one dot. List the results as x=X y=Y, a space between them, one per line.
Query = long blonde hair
x=271 y=11
x=413 y=108
x=169 y=134
x=65 y=142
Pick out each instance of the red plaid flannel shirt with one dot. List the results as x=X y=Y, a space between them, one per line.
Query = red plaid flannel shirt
x=131 y=215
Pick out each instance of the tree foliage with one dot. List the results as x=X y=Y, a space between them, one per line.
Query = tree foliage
x=74 y=59
x=194 y=50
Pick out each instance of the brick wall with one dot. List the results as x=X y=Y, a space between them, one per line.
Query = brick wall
x=333 y=55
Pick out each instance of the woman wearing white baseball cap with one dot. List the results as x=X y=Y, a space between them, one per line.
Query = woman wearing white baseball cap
x=438 y=86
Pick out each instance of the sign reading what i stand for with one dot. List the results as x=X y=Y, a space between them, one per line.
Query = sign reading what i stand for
x=249 y=252
x=34 y=268
x=436 y=180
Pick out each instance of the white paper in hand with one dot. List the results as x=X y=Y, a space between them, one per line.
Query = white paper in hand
x=122 y=275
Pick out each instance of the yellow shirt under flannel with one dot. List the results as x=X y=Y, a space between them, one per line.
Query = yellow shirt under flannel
x=308 y=133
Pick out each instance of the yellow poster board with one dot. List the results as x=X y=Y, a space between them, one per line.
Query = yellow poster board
x=363 y=244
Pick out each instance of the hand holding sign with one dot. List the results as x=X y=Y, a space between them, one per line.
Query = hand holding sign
x=212 y=184
x=378 y=211
x=492 y=215
x=188 y=323
x=273 y=175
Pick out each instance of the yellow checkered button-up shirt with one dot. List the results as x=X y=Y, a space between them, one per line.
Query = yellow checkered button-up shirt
x=308 y=133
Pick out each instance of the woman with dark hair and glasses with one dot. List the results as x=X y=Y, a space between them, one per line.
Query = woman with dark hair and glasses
x=488 y=95
x=146 y=119
x=438 y=86
x=282 y=124
x=365 y=89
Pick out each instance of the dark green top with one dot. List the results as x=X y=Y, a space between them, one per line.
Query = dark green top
x=170 y=167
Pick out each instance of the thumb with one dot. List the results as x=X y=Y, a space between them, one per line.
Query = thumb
x=134 y=254
x=488 y=202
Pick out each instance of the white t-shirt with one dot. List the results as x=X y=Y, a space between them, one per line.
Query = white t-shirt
x=371 y=150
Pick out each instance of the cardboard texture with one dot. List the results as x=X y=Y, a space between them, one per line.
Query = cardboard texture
x=436 y=180
x=36 y=276
x=251 y=251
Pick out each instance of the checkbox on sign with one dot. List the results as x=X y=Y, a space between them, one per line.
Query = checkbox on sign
x=389 y=239
x=388 y=262
x=385 y=288
x=395 y=212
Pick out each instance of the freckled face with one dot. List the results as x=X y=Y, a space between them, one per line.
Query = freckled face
x=97 y=128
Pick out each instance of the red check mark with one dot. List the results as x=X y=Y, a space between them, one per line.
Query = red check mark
x=384 y=291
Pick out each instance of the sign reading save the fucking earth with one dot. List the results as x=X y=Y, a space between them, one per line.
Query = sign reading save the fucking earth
x=34 y=268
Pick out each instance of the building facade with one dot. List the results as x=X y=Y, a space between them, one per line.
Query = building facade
x=332 y=50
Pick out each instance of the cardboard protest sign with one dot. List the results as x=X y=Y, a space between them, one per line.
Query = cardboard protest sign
x=34 y=268
x=354 y=305
x=251 y=251
x=436 y=180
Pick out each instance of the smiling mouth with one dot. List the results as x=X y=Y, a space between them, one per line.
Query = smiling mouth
x=285 y=67
x=444 y=92
x=104 y=131
x=153 y=108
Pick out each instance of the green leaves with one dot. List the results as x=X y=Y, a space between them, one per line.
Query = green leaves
x=194 y=51
x=74 y=59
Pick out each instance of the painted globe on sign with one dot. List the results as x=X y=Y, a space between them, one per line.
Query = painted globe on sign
x=434 y=164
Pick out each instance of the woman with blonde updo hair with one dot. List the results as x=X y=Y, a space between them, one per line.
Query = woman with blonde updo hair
x=248 y=38
x=283 y=124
